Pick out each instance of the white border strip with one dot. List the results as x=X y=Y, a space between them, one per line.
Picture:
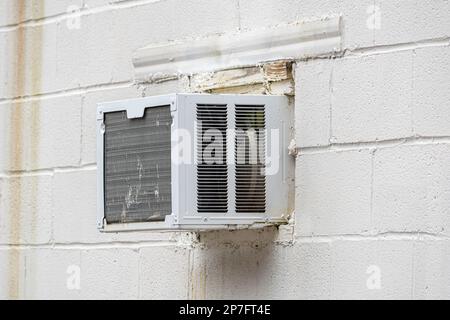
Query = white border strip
x=289 y=42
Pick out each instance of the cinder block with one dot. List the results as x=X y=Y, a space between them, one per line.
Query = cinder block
x=41 y=133
x=412 y=20
x=110 y=274
x=163 y=21
x=372 y=269
x=74 y=208
x=164 y=273
x=25 y=210
x=50 y=8
x=366 y=24
x=333 y=193
x=5 y=156
x=302 y=271
x=12 y=273
x=83 y=58
x=53 y=274
x=30 y=61
x=12 y=75
x=259 y=14
x=431 y=93
x=261 y=271
x=90 y=52
x=225 y=272
x=12 y=140
x=371 y=98
x=411 y=190
x=15 y=12
x=88 y=58
x=431 y=265
x=10 y=13
x=313 y=102
x=60 y=131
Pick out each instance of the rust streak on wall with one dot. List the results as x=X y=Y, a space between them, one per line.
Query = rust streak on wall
x=35 y=56
x=36 y=76
x=24 y=131
x=15 y=154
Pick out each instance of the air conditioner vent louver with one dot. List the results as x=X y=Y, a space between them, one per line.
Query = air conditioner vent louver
x=212 y=170
x=137 y=166
x=250 y=152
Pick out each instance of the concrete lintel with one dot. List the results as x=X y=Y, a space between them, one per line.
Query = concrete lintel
x=288 y=42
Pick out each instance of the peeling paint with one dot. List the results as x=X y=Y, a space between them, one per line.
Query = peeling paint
x=233 y=78
x=247 y=89
x=285 y=87
x=270 y=78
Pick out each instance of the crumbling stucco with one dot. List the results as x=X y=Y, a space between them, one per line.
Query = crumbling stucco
x=269 y=78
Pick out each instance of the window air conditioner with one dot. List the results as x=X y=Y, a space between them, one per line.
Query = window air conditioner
x=194 y=161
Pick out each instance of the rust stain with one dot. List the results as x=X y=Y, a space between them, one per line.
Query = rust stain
x=36 y=56
x=197 y=279
x=36 y=85
x=15 y=155
x=30 y=71
x=198 y=290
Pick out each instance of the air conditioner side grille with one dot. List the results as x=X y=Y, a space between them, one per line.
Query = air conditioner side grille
x=212 y=171
x=250 y=149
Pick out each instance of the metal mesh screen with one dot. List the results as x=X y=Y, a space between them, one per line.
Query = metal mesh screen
x=138 y=166
x=250 y=159
x=212 y=172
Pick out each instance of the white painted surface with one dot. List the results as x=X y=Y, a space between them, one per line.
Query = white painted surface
x=372 y=173
x=289 y=42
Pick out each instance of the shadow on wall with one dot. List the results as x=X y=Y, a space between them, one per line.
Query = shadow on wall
x=235 y=264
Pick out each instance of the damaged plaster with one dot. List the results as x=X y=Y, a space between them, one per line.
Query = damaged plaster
x=273 y=78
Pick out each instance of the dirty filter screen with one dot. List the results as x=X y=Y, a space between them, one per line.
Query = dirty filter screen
x=137 y=166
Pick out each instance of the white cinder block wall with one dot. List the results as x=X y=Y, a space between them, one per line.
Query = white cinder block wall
x=372 y=214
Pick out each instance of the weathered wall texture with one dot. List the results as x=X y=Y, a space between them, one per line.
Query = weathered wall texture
x=372 y=217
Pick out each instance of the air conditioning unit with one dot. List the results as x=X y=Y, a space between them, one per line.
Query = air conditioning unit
x=194 y=161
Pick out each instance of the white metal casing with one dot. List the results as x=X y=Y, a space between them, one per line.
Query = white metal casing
x=279 y=186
